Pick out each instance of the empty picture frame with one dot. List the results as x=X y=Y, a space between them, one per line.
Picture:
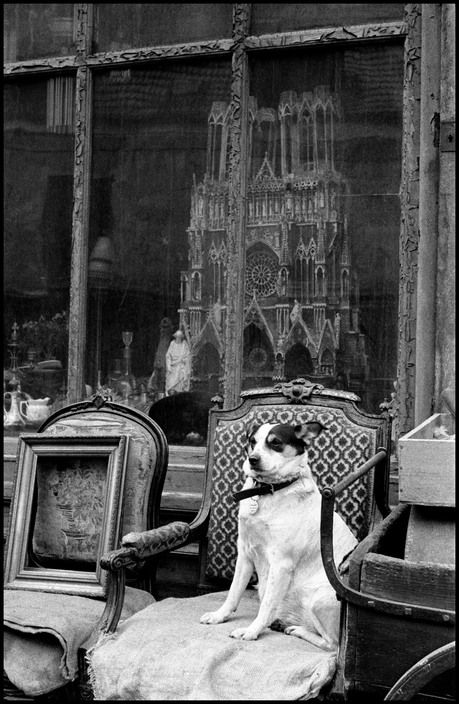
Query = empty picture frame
x=66 y=512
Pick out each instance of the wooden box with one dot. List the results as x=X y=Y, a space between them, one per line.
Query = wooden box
x=426 y=464
x=381 y=647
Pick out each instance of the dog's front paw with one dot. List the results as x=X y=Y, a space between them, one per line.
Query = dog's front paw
x=213 y=617
x=245 y=633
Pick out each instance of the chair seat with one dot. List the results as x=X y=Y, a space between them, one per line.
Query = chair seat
x=43 y=632
x=165 y=653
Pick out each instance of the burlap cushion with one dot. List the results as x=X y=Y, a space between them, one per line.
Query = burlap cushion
x=43 y=631
x=165 y=653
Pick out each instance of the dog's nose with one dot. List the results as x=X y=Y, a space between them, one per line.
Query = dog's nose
x=254 y=459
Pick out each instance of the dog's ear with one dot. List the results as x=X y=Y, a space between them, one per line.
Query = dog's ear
x=251 y=431
x=308 y=431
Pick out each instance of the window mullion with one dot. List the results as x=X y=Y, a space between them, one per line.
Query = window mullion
x=237 y=206
x=80 y=215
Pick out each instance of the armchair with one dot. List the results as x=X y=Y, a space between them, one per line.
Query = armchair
x=45 y=632
x=164 y=652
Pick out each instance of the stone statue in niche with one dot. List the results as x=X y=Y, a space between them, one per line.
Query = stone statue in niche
x=157 y=381
x=178 y=365
x=296 y=311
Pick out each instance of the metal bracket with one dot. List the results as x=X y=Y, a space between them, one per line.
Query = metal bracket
x=447 y=136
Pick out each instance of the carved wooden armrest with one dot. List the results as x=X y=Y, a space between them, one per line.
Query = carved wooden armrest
x=136 y=547
x=153 y=542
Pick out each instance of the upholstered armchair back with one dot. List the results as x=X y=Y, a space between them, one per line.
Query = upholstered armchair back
x=351 y=437
x=146 y=465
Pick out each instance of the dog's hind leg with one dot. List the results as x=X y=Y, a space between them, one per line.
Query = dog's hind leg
x=325 y=615
x=242 y=573
x=310 y=637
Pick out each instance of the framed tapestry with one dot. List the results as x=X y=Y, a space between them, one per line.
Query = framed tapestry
x=66 y=512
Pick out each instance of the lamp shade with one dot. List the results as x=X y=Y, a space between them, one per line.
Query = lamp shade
x=101 y=260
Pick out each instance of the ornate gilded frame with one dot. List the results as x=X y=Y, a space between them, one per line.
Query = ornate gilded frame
x=32 y=449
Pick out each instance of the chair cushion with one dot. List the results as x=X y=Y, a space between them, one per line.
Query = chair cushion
x=334 y=454
x=43 y=632
x=165 y=653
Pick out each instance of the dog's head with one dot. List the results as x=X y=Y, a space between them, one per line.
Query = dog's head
x=276 y=452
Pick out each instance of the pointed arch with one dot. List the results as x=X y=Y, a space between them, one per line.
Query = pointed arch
x=298 y=362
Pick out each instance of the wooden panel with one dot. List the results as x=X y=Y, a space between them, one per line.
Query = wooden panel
x=430 y=536
x=413 y=583
x=382 y=647
x=177 y=572
x=426 y=474
x=184 y=483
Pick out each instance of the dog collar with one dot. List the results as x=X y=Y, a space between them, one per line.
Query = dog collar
x=261 y=488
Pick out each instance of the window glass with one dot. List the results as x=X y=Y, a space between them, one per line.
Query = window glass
x=36 y=30
x=268 y=18
x=38 y=170
x=155 y=134
x=323 y=219
x=128 y=25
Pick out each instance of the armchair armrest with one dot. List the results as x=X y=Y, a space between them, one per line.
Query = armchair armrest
x=152 y=542
x=342 y=589
x=136 y=548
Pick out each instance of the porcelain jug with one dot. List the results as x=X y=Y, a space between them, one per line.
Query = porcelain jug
x=13 y=415
x=37 y=409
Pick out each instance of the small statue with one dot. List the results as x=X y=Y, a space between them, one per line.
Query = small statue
x=178 y=365
x=157 y=380
x=296 y=311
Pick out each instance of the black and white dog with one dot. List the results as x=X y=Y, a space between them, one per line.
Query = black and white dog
x=279 y=538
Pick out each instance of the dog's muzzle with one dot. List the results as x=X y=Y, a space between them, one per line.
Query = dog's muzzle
x=254 y=460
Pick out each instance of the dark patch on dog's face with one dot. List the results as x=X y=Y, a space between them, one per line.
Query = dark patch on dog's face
x=282 y=435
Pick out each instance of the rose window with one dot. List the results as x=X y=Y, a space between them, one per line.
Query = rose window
x=261 y=274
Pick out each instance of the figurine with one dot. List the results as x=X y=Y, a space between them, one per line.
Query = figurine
x=157 y=380
x=178 y=365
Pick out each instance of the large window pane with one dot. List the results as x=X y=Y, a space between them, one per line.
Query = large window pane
x=150 y=146
x=268 y=18
x=36 y=30
x=38 y=168
x=323 y=219
x=129 y=25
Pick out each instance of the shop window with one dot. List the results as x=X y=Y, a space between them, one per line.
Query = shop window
x=151 y=270
x=128 y=25
x=36 y=30
x=325 y=208
x=38 y=177
x=269 y=18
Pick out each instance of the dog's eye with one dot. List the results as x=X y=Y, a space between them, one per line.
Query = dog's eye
x=276 y=444
x=252 y=442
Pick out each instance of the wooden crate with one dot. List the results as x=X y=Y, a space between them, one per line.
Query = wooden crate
x=426 y=465
x=380 y=647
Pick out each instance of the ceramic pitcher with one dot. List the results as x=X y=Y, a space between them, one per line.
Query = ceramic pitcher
x=37 y=409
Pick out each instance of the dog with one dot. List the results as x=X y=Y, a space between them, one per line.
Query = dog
x=279 y=539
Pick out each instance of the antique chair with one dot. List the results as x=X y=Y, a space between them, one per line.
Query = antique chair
x=44 y=631
x=164 y=652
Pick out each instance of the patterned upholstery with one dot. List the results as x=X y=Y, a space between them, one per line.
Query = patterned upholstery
x=335 y=453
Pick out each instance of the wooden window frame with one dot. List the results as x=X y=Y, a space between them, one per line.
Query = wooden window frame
x=239 y=46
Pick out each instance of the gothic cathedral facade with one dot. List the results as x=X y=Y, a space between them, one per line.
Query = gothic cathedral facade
x=301 y=313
